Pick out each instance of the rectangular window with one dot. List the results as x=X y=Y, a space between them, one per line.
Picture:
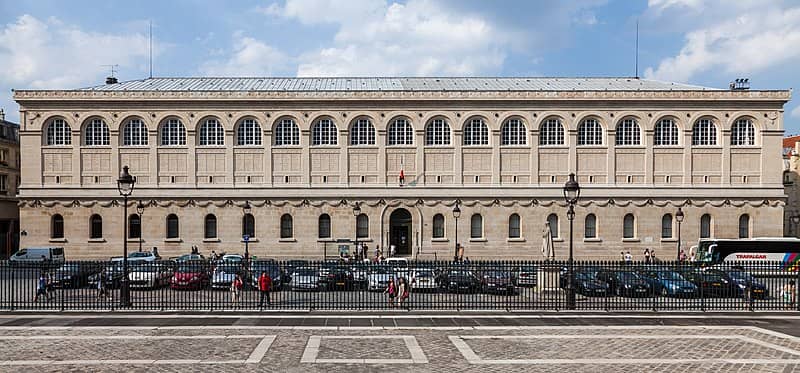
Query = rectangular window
x=3 y=183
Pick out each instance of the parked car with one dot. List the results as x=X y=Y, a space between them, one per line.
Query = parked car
x=587 y=284
x=143 y=256
x=273 y=270
x=360 y=273
x=525 y=276
x=38 y=256
x=669 y=283
x=339 y=278
x=190 y=258
x=423 y=279
x=149 y=275
x=625 y=283
x=232 y=259
x=742 y=281
x=190 y=276
x=399 y=266
x=710 y=284
x=224 y=274
x=378 y=278
x=305 y=278
x=74 y=275
x=497 y=281
x=461 y=281
x=112 y=275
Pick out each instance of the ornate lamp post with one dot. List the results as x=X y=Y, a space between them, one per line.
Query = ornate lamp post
x=140 y=211
x=795 y=220
x=572 y=192
x=125 y=185
x=456 y=215
x=679 y=219
x=246 y=234
x=356 y=213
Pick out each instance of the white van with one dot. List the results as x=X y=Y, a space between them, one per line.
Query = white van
x=37 y=254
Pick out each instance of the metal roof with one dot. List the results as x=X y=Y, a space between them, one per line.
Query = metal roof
x=394 y=84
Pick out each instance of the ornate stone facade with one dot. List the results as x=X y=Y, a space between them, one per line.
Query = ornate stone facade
x=726 y=179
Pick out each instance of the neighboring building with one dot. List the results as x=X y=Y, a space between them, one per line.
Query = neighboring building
x=9 y=180
x=302 y=151
x=791 y=181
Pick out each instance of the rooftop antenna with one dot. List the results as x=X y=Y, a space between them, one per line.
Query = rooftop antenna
x=112 y=79
x=636 y=63
x=151 y=48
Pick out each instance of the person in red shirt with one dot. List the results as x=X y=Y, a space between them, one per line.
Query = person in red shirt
x=264 y=285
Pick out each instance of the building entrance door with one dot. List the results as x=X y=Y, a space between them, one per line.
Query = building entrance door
x=400 y=232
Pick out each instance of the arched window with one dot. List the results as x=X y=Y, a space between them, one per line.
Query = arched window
x=705 y=226
x=744 y=226
x=704 y=132
x=628 y=226
x=324 y=226
x=134 y=226
x=590 y=132
x=743 y=133
x=590 y=228
x=96 y=226
x=514 y=133
x=324 y=132
x=666 y=226
x=665 y=133
x=286 y=133
x=248 y=132
x=173 y=133
x=400 y=132
x=362 y=226
x=134 y=133
x=287 y=228
x=552 y=220
x=210 y=230
x=248 y=225
x=438 y=226
x=514 y=229
x=59 y=133
x=96 y=133
x=437 y=132
x=362 y=132
x=172 y=226
x=551 y=133
x=628 y=133
x=57 y=226
x=476 y=226
x=476 y=133
x=212 y=133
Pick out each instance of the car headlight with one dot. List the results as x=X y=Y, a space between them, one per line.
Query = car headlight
x=194 y=278
x=453 y=283
x=627 y=286
x=742 y=286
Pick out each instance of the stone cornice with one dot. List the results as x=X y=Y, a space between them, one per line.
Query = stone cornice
x=62 y=95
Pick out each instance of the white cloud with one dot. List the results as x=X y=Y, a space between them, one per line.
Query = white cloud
x=249 y=57
x=755 y=40
x=311 y=12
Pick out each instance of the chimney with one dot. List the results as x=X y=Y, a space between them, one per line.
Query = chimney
x=740 y=84
x=2 y=115
x=111 y=80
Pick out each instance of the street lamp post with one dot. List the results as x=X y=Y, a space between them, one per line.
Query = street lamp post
x=795 y=220
x=356 y=213
x=679 y=219
x=456 y=215
x=572 y=192
x=246 y=234
x=140 y=211
x=125 y=185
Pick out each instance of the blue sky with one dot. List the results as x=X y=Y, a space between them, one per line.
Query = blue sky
x=64 y=44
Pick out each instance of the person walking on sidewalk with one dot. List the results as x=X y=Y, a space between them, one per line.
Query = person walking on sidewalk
x=236 y=286
x=102 y=291
x=402 y=292
x=264 y=285
x=41 y=287
x=391 y=289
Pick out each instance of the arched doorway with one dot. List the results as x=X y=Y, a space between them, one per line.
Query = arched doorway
x=400 y=231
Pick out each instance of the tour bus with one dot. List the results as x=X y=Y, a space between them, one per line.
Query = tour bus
x=778 y=253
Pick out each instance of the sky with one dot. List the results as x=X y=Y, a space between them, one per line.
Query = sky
x=56 y=44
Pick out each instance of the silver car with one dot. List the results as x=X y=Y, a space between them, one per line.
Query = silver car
x=149 y=275
x=223 y=276
x=378 y=278
x=305 y=278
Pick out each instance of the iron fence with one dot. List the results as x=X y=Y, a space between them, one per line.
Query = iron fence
x=431 y=285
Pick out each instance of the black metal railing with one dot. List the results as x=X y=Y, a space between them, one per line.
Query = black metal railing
x=430 y=285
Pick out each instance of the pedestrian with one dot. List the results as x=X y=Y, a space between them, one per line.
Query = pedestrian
x=377 y=251
x=622 y=257
x=155 y=253
x=264 y=285
x=682 y=256
x=402 y=291
x=628 y=257
x=102 y=292
x=392 y=250
x=652 y=256
x=392 y=291
x=236 y=286
x=691 y=256
x=41 y=287
x=647 y=256
x=788 y=294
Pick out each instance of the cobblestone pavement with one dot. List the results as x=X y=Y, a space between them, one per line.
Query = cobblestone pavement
x=502 y=348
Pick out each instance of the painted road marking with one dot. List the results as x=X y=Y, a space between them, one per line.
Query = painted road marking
x=311 y=351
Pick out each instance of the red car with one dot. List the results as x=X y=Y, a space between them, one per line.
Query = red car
x=189 y=276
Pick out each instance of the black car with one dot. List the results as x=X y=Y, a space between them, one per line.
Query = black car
x=273 y=270
x=111 y=275
x=587 y=283
x=743 y=281
x=291 y=265
x=626 y=283
x=497 y=281
x=460 y=281
x=74 y=275
x=710 y=283
x=338 y=278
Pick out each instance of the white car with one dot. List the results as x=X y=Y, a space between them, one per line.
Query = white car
x=305 y=278
x=378 y=278
x=223 y=276
x=424 y=279
x=232 y=258
x=149 y=276
x=143 y=256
